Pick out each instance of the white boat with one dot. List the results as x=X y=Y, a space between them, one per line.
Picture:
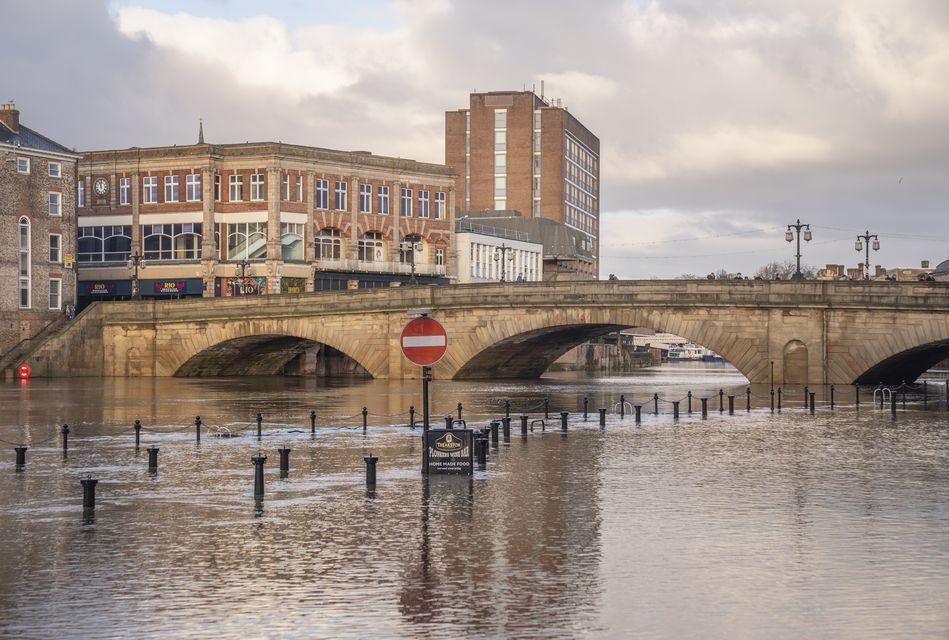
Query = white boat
x=692 y=353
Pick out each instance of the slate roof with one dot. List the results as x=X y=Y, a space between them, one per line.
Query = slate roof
x=29 y=139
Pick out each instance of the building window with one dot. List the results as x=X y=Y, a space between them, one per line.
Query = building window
x=22 y=165
x=340 y=195
x=406 y=203
x=235 y=188
x=291 y=240
x=172 y=193
x=125 y=191
x=55 y=170
x=382 y=200
x=217 y=188
x=365 y=198
x=440 y=257
x=172 y=241
x=500 y=186
x=55 y=293
x=286 y=186
x=246 y=240
x=439 y=205
x=55 y=203
x=328 y=244
x=500 y=140
x=299 y=188
x=500 y=118
x=257 y=191
x=81 y=193
x=193 y=187
x=149 y=189
x=105 y=244
x=55 y=248
x=369 y=247
x=422 y=203
x=25 y=263
x=407 y=249
x=322 y=194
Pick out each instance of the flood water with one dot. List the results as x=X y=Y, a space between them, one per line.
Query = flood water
x=752 y=525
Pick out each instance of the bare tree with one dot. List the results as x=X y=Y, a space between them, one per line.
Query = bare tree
x=779 y=270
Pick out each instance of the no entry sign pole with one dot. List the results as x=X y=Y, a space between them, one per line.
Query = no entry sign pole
x=424 y=342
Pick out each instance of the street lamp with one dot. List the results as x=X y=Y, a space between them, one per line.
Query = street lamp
x=409 y=247
x=862 y=241
x=242 y=264
x=789 y=236
x=500 y=253
x=136 y=261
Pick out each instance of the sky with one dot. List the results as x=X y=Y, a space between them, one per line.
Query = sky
x=720 y=121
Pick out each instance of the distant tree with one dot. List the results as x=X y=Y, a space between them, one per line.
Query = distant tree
x=690 y=276
x=784 y=270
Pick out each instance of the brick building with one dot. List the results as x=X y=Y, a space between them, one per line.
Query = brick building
x=253 y=218
x=37 y=230
x=514 y=150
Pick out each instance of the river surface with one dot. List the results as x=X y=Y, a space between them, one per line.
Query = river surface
x=753 y=525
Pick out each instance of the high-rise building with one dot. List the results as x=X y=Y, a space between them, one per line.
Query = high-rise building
x=515 y=150
x=37 y=231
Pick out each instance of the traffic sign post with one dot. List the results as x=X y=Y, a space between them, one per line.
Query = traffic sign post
x=424 y=342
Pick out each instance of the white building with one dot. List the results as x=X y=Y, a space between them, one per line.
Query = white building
x=489 y=254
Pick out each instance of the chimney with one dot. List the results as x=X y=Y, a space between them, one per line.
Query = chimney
x=841 y=270
x=10 y=117
x=924 y=264
x=880 y=271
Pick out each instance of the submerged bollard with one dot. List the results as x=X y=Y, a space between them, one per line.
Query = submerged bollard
x=197 y=428
x=747 y=398
x=655 y=401
x=622 y=406
x=639 y=412
x=546 y=408
x=65 y=433
x=892 y=404
x=506 y=426
x=689 y=397
x=481 y=446
x=371 y=461
x=20 y=457
x=602 y=417
x=138 y=432
x=152 y=458
x=806 y=391
x=772 y=401
x=412 y=416
x=812 y=401
x=449 y=421
x=731 y=405
x=507 y=408
x=495 y=425
x=704 y=407
x=88 y=492
x=260 y=422
x=258 y=461
x=779 y=399
x=721 y=400
x=313 y=422
x=856 y=394
x=675 y=409
x=925 y=395
x=459 y=411
x=284 y=460
x=524 y=419
x=365 y=418
x=831 y=396
x=586 y=402
x=563 y=420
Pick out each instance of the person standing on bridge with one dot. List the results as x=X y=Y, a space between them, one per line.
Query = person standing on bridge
x=519 y=278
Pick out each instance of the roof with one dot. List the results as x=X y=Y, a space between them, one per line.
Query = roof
x=942 y=267
x=29 y=139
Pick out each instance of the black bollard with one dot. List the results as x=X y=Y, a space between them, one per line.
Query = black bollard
x=495 y=425
x=925 y=395
x=622 y=406
x=258 y=461
x=772 y=401
x=675 y=409
x=313 y=422
x=586 y=402
x=806 y=391
x=831 y=396
x=813 y=393
x=65 y=433
x=459 y=411
x=197 y=428
x=506 y=428
x=903 y=394
x=481 y=446
x=524 y=419
x=449 y=421
x=779 y=399
x=88 y=493
x=507 y=408
x=731 y=405
x=721 y=400
x=20 y=457
x=371 y=461
x=284 y=460
x=947 y=395
x=655 y=402
x=365 y=418
x=880 y=389
x=639 y=412
x=602 y=417
x=260 y=421
x=747 y=398
x=704 y=407
x=892 y=404
x=563 y=420
x=689 y=397
x=152 y=458
x=412 y=416
x=546 y=408
x=856 y=394
x=138 y=432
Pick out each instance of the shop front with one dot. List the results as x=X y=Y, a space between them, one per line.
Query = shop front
x=173 y=288
x=94 y=290
x=231 y=287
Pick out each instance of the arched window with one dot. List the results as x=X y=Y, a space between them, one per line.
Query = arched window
x=369 y=247
x=328 y=244
x=105 y=244
x=24 y=262
x=410 y=249
x=172 y=241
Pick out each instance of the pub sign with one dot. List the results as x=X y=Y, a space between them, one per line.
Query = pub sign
x=450 y=451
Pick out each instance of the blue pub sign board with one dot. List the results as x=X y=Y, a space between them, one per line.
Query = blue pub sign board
x=450 y=451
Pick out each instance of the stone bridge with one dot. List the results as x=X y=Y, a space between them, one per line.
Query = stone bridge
x=813 y=332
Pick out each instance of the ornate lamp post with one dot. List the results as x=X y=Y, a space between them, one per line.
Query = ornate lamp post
x=789 y=236
x=242 y=264
x=502 y=258
x=136 y=261
x=864 y=241
x=410 y=248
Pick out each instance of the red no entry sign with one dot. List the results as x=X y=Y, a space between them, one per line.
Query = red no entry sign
x=424 y=341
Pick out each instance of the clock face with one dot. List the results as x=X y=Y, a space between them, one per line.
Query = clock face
x=101 y=186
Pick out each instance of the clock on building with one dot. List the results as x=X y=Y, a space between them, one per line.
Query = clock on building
x=101 y=186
